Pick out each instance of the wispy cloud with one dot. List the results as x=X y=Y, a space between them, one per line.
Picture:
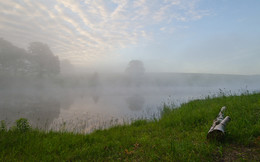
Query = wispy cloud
x=83 y=31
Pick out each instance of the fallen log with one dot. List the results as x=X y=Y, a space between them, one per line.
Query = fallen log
x=217 y=130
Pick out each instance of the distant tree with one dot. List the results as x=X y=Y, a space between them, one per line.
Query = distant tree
x=38 y=60
x=135 y=67
x=135 y=72
x=45 y=62
x=13 y=59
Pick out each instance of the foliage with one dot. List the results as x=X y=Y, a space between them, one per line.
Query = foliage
x=135 y=67
x=22 y=125
x=37 y=60
x=135 y=72
x=180 y=135
x=12 y=58
x=3 y=126
x=46 y=62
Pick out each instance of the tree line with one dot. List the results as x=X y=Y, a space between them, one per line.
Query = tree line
x=37 y=60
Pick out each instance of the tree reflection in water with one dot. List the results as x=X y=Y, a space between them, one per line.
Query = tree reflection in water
x=39 y=110
x=135 y=102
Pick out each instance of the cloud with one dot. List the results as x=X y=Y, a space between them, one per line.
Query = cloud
x=83 y=31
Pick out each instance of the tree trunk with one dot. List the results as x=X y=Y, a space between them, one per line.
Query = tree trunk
x=217 y=130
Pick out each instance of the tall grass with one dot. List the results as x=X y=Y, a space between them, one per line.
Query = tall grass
x=179 y=135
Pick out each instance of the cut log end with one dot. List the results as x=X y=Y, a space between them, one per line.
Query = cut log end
x=217 y=130
x=216 y=135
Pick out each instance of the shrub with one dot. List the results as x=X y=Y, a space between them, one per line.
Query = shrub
x=22 y=125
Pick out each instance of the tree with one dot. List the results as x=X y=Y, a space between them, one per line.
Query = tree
x=13 y=60
x=135 y=72
x=135 y=67
x=38 y=60
x=45 y=62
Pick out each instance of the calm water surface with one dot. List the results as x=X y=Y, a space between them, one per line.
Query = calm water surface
x=86 y=110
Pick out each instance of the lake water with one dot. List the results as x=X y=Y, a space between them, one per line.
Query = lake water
x=84 y=110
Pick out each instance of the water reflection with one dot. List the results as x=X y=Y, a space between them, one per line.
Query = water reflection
x=95 y=98
x=40 y=111
x=66 y=101
x=135 y=102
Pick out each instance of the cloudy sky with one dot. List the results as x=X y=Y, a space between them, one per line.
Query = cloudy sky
x=192 y=36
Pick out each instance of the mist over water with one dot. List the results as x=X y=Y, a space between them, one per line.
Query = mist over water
x=54 y=95
x=85 y=102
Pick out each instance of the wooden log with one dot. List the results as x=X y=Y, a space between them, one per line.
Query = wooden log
x=217 y=130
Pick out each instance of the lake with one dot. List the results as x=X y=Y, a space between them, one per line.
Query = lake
x=84 y=109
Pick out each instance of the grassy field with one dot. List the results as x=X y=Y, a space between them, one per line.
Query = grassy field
x=180 y=135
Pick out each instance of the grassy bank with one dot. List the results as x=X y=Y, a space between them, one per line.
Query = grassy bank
x=180 y=135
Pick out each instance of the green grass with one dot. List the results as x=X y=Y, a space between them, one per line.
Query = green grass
x=180 y=135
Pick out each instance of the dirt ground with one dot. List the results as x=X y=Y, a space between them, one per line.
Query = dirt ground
x=241 y=153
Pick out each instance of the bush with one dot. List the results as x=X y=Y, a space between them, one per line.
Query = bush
x=22 y=125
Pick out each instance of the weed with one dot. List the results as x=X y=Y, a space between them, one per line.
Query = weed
x=3 y=126
x=22 y=125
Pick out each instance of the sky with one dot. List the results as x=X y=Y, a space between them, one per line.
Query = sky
x=183 y=36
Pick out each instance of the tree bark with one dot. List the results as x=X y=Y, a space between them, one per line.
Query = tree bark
x=217 y=130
